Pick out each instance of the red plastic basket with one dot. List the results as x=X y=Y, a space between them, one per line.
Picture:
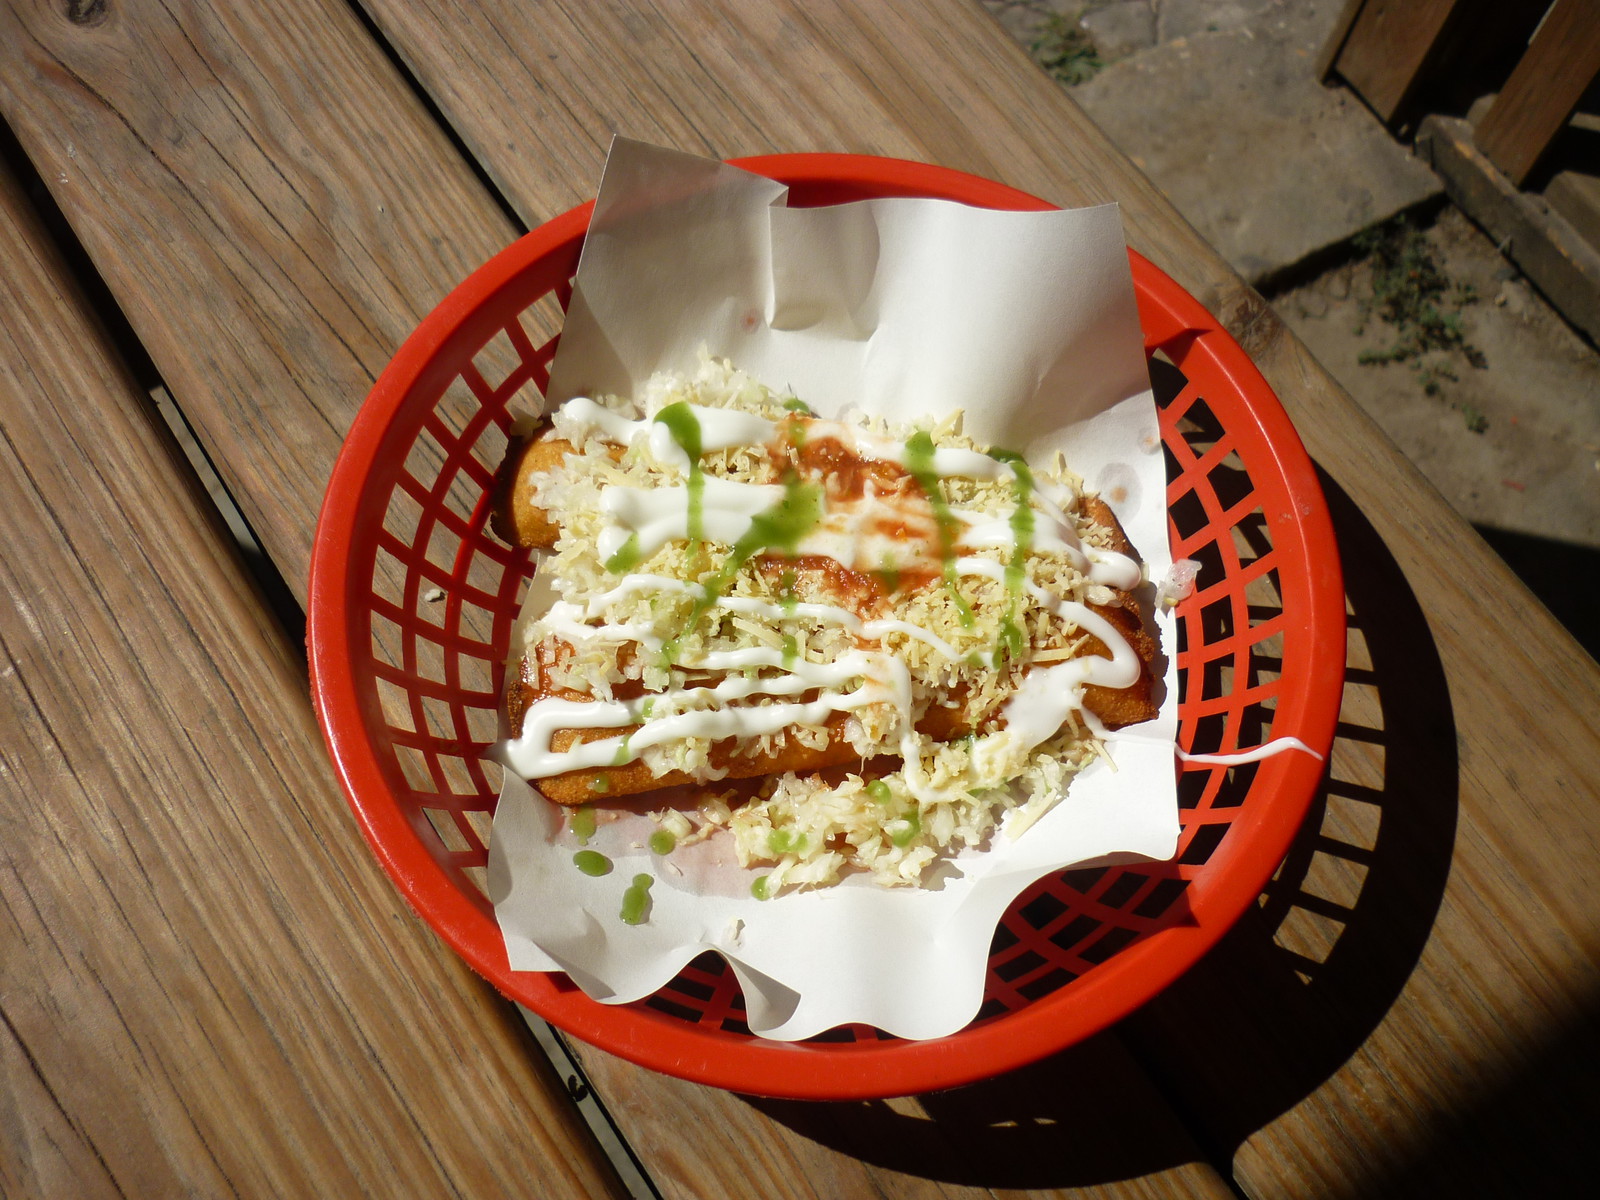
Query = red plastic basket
x=412 y=601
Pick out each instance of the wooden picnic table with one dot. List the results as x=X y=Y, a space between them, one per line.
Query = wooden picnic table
x=208 y=986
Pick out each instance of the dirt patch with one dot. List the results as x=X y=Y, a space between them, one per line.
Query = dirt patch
x=1505 y=423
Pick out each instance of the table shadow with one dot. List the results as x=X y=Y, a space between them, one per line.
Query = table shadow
x=1257 y=1025
x=1528 y=1133
x=1564 y=575
x=1304 y=978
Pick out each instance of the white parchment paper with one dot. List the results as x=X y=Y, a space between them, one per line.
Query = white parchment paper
x=902 y=307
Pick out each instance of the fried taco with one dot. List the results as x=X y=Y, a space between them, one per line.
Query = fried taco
x=894 y=637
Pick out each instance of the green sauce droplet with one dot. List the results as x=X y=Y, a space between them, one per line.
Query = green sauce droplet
x=600 y=783
x=636 y=901
x=759 y=888
x=787 y=600
x=879 y=791
x=592 y=862
x=791 y=652
x=913 y=827
x=581 y=822
x=795 y=428
x=663 y=841
x=919 y=464
x=786 y=841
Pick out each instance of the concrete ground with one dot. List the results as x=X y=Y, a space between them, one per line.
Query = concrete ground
x=1218 y=102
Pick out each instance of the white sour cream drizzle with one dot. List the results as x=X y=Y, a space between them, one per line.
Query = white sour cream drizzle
x=847 y=533
x=720 y=429
x=1230 y=759
x=656 y=516
x=1098 y=566
x=572 y=621
x=1254 y=754
x=727 y=428
x=1038 y=709
x=1047 y=696
x=531 y=756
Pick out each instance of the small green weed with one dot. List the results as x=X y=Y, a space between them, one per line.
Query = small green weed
x=1412 y=295
x=1064 y=49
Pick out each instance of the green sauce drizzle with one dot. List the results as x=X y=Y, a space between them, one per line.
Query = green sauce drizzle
x=919 y=463
x=791 y=651
x=627 y=557
x=1011 y=640
x=786 y=841
x=636 y=901
x=663 y=841
x=778 y=528
x=684 y=427
x=787 y=600
x=581 y=822
x=889 y=573
x=783 y=525
x=592 y=862
x=759 y=889
x=913 y=827
x=796 y=405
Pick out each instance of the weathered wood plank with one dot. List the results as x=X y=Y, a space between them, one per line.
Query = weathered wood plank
x=272 y=208
x=1386 y=48
x=208 y=987
x=45 y=1151
x=537 y=94
x=1085 y=1123
x=1576 y=196
x=1561 y=63
x=1564 y=262
x=1328 y=56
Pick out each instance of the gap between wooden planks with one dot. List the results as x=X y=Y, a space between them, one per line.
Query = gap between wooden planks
x=208 y=986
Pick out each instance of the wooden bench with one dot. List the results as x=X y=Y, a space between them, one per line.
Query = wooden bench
x=208 y=985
